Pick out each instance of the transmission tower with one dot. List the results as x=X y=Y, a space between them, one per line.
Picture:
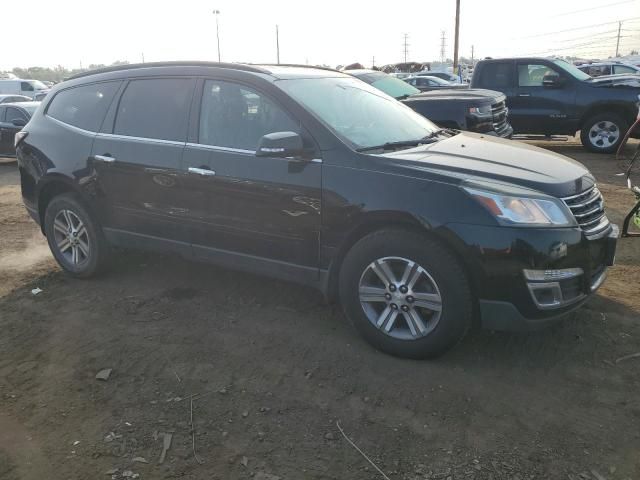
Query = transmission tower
x=443 y=46
x=406 y=47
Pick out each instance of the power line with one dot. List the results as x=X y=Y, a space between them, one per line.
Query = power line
x=590 y=9
x=578 y=28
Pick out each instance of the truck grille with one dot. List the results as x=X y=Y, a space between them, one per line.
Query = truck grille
x=499 y=113
x=588 y=209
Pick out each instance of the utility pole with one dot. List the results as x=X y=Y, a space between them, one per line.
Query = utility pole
x=406 y=47
x=277 y=45
x=472 y=55
x=443 y=45
x=618 y=41
x=142 y=57
x=455 y=42
x=216 y=13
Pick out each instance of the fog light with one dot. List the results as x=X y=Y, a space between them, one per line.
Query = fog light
x=551 y=275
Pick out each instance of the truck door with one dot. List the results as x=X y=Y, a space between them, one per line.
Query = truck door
x=537 y=108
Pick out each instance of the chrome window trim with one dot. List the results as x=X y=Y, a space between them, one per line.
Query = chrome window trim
x=141 y=139
x=204 y=146
x=69 y=126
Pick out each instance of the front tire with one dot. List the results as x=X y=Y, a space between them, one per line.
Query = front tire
x=75 y=238
x=603 y=133
x=406 y=294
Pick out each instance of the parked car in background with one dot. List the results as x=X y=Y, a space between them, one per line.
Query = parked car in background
x=449 y=77
x=426 y=84
x=482 y=111
x=7 y=98
x=417 y=230
x=609 y=68
x=13 y=116
x=550 y=96
x=28 y=88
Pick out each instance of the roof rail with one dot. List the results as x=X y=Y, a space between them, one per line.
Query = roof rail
x=132 y=66
x=296 y=65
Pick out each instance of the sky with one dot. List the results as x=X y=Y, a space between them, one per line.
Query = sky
x=333 y=32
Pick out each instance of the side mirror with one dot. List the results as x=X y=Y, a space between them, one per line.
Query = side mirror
x=281 y=145
x=18 y=122
x=552 y=81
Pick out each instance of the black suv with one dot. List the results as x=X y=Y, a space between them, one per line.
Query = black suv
x=313 y=176
x=552 y=97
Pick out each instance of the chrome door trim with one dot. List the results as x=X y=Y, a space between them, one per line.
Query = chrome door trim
x=140 y=139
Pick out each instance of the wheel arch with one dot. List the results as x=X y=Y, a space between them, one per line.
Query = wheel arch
x=49 y=188
x=619 y=108
x=376 y=221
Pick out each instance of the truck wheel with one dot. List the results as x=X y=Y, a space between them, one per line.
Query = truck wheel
x=602 y=133
x=75 y=239
x=406 y=294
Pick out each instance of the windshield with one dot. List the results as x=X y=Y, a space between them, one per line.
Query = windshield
x=38 y=85
x=358 y=112
x=572 y=70
x=393 y=86
x=438 y=80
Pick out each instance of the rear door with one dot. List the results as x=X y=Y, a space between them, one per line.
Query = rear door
x=137 y=159
x=538 y=109
x=257 y=207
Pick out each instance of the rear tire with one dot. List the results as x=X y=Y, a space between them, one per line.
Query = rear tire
x=424 y=310
x=603 y=132
x=76 y=240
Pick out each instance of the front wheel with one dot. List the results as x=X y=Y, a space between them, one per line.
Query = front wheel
x=603 y=133
x=75 y=239
x=406 y=294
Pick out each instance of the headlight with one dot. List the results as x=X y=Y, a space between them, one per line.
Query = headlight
x=516 y=210
x=485 y=109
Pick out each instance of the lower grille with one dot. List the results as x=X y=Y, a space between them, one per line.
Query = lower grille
x=588 y=209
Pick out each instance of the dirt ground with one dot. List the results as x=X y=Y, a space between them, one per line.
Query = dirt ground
x=264 y=371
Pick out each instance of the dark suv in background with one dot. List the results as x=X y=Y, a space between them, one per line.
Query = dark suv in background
x=552 y=97
x=313 y=176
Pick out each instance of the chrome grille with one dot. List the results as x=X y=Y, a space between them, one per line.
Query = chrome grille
x=588 y=209
x=499 y=116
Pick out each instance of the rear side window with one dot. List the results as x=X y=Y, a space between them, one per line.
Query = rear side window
x=496 y=75
x=155 y=108
x=623 y=69
x=26 y=87
x=83 y=107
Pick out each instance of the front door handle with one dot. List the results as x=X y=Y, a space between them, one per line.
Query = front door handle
x=202 y=171
x=104 y=158
x=524 y=94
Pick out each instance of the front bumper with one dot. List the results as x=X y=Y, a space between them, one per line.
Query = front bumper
x=497 y=256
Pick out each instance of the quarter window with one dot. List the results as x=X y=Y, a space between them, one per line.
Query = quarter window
x=532 y=75
x=15 y=114
x=83 y=107
x=155 y=108
x=236 y=116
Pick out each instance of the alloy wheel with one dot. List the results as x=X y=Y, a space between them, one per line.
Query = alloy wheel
x=71 y=237
x=400 y=298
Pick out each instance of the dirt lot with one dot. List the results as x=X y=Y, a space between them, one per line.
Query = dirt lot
x=273 y=369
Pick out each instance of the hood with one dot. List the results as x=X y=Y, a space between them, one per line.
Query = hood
x=615 y=81
x=469 y=156
x=466 y=93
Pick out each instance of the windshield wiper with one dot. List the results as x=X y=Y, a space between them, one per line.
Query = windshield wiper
x=430 y=138
x=402 y=97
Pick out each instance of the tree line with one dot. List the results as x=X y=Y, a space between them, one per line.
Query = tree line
x=56 y=74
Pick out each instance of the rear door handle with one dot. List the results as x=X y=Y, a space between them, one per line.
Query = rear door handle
x=524 y=94
x=202 y=171
x=104 y=158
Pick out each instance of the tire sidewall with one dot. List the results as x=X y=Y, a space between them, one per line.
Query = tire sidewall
x=70 y=202
x=439 y=263
x=609 y=117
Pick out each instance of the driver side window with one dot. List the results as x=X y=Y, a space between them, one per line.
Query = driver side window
x=235 y=116
x=531 y=75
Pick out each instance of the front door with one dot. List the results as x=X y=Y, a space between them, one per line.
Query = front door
x=535 y=108
x=137 y=161
x=260 y=208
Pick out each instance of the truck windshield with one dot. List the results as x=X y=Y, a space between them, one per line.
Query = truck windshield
x=572 y=70
x=357 y=112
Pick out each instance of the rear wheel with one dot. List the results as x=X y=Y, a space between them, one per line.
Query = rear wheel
x=406 y=294
x=75 y=239
x=603 y=133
